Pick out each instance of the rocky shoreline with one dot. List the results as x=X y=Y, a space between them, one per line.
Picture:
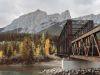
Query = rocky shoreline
x=81 y=71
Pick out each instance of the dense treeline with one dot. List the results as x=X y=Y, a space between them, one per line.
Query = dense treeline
x=26 y=48
x=13 y=36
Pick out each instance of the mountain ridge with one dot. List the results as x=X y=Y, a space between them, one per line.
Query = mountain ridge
x=39 y=21
x=36 y=21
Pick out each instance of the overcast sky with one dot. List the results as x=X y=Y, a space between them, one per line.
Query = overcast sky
x=11 y=9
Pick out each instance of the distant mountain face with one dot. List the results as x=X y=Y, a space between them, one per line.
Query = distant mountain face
x=39 y=22
x=95 y=18
x=36 y=22
x=54 y=29
x=1 y=29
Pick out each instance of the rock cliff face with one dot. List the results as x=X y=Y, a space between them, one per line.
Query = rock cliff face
x=95 y=18
x=36 y=22
x=39 y=21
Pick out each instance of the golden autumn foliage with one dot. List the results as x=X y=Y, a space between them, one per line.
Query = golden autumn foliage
x=26 y=47
x=39 y=46
x=14 y=52
x=20 y=47
x=47 y=46
x=1 y=53
x=37 y=52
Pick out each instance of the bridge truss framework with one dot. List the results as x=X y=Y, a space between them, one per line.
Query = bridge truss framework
x=79 y=37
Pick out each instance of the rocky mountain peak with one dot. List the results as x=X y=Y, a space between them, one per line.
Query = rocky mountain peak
x=36 y=21
x=64 y=15
x=39 y=21
x=38 y=11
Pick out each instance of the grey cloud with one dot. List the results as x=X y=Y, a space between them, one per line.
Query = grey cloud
x=84 y=2
x=46 y=5
x=10 y=9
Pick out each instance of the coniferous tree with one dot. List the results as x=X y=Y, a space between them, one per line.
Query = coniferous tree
x=27 y=51
x=9 y=50
x=5 y=49
x=42 y=44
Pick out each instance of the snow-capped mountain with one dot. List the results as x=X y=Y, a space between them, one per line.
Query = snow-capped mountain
x=36 y=21
x=39 y=21
x=95 y=18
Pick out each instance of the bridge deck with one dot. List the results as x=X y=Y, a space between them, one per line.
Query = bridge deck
x=87 y=58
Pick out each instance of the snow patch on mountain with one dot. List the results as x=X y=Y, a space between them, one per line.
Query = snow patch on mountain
x=36 y=21
x=95 y=18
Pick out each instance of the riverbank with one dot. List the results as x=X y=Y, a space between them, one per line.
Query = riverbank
x=39 y=66
x=81 y=71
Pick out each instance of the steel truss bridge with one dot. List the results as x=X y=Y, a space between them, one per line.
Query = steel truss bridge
x=80 y=39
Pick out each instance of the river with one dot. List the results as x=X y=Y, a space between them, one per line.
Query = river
x=68 y=65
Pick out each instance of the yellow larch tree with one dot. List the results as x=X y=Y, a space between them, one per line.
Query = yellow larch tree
x=47 y=46
x=37 y=53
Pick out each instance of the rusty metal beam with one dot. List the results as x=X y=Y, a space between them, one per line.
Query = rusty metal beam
x=96 y=29
x=96 y=45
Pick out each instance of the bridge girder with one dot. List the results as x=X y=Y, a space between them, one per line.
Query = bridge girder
x=87 y=45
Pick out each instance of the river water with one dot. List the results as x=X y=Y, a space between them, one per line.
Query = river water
x=68 y=65
x=17 y=73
